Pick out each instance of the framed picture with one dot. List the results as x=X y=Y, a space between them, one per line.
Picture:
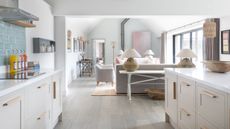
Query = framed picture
x=69 y=41
x=225 y=42
x=75 y=45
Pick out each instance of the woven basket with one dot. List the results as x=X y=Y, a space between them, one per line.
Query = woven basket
x=156 y=94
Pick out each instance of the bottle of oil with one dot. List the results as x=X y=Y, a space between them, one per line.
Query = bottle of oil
x=13 y=60
x=19 y=60
x=25 y=60
x=22 y=60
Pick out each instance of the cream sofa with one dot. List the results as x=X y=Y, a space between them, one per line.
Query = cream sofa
x=104 y=73
x=121 y=79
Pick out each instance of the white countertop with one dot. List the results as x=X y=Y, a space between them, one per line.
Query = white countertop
x=8 y=86
x=218 y=81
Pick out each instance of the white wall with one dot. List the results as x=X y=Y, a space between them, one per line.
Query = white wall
x=44 y=29
x=67 y=59
x=78 y=28
x=224 y=25
x=110 y=30
x=141 y=7
x=60 y=38
x=134 y=25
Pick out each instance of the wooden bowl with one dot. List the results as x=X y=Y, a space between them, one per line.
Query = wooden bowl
x=218 y=66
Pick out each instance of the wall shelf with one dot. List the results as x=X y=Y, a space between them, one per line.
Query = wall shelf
x=41 y=45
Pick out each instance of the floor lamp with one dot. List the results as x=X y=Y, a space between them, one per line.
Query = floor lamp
x=113 y=47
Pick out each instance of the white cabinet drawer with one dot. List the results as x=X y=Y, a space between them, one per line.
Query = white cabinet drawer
x=186 y=119
x=211 y=105
x=11 y=111
x=37 y=99
x=186 y=94
x=38 y=122
x=203 y=124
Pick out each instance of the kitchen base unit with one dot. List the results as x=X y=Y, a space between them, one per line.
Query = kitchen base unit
x=197 y=98
x=35 y=103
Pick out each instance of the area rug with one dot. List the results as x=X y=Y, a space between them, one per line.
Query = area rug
x=104 y=90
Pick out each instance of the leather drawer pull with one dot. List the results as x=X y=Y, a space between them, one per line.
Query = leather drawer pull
x=187 y=114
x=43 y=85
x=42 y=115
x=174 y=90
x=10 y=102
x=206 y=93
x=54 y=90
x=186 y=84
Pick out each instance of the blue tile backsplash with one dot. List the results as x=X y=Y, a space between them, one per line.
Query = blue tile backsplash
x=11 y=37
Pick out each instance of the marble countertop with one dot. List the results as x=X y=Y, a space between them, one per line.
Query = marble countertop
x=218 y=81
x=9 y=86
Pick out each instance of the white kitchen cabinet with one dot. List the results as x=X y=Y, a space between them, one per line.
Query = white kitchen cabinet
x=202 y=103
x=171 y=98
x=204 y=124
x=56 y=98
x=37 y=98
x=41 y=121
x=31 y=104
x=212 y=106
x=186 y=103
x=11 y=111
x=38 y=105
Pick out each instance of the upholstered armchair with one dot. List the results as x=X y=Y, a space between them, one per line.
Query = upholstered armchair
x=104 y=73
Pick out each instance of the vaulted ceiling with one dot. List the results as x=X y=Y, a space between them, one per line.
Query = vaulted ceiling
x=140 y=7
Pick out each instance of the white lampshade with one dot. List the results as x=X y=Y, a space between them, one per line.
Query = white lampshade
x=186 y=53
x=131 y=53
x=149 y=53
x=121 y=52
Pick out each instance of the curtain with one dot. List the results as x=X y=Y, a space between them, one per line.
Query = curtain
x=163 y=42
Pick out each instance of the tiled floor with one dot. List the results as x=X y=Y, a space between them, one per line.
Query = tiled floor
x=83 y=111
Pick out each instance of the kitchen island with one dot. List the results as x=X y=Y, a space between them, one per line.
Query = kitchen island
x=197 y=98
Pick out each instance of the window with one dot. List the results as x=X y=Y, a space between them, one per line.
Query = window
x=188 y=40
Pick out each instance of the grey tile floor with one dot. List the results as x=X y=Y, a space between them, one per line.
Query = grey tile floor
x=83 y=111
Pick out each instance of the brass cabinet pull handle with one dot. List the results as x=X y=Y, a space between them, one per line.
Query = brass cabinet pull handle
x=203 y=128
x=174 y=90
x=10 y=101
x=54 y=90
x=206 y=93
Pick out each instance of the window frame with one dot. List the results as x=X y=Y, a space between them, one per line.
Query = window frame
x=181 y=40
